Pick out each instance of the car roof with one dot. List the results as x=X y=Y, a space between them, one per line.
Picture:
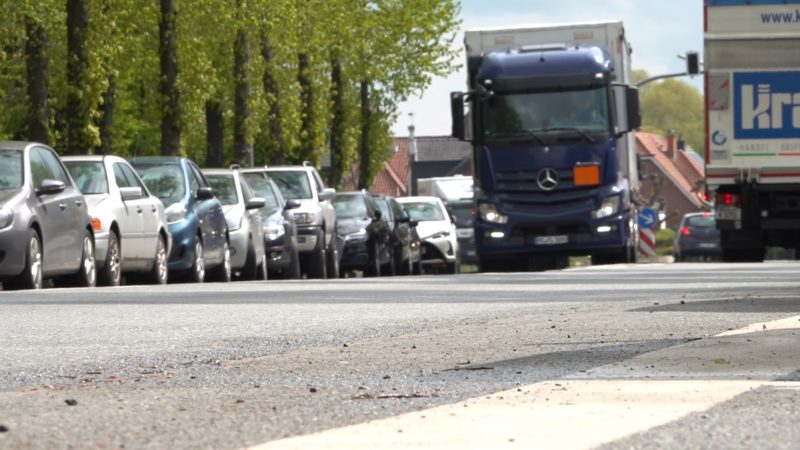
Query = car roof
x=156 y=159
x=217 y=171
x=419 y=198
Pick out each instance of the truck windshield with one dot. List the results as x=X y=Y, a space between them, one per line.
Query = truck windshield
x=537 y=114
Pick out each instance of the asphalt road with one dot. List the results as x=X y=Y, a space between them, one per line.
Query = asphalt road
x=236 y=365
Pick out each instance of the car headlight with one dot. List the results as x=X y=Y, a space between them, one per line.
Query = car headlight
x=360 y=234
x=272 y=232
x=6 y=217
x=490 y=213
x=176 y=212
x=609 y=207
x=305 y=218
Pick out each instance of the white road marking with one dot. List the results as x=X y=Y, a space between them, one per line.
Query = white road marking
x=573 y=413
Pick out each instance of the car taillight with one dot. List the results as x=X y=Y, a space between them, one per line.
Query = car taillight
x=727 y=199
x=685 y=231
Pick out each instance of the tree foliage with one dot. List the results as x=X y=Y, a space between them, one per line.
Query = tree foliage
x=213 y=79
x=672 y=105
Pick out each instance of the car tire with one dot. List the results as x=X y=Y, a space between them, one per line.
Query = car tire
x=31 y=276
x=87 y=273
x=197 y=273
x=159 y=273
x=250 y=270
x=332 y=259
x=222 y=272
x=292 y=272
x=111 y=273
x=388 y=269
x=316 y=263
x=261 y=271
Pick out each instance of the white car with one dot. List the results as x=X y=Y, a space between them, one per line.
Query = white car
x=436 y=230
x=130 y=226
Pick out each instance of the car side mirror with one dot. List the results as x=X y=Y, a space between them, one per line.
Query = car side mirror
x=413 y=222
x=403 y=220
x=327 y=194
x=255 y=203
x=49 y=186
x=131 y=193
x=457 y=115
x=291 y=204
x=205 y=193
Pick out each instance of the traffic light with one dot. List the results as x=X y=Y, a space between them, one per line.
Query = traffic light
x=692 y=63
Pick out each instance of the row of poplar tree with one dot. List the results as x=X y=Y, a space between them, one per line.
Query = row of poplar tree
x=272 y=81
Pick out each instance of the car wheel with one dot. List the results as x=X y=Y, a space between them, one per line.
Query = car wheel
x=87 y=274
x=316 y=264
x=373 y=268
x=158 y=274
x=388 y=269
x=332 y=260
x=249 y=271
x=197 y=274
x=262 y=272
x=111 y=273
x=293 y=271
x=223 y=271
x=31 y=276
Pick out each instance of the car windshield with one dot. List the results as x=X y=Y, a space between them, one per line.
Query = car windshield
x=704 y=221
x=539 y=114
x=383 y=205
x=293 y=184
x=10 y=169
x=165 y=181
x=89 y=176
x=463 y=214
x=224 y=188
x=424 y=211
x=350 y=206
x=260 y=184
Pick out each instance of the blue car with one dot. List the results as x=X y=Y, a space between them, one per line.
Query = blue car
x=195 y=219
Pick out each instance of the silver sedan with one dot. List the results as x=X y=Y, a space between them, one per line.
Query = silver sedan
x=130 y=225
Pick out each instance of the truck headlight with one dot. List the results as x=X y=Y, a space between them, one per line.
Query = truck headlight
x=273 y=232
x=6 y=217
x=608 y=207
x=176 y=212
x=490 y=213
x=305 y=218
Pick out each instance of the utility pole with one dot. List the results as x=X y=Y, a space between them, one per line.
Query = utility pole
x=412 y=156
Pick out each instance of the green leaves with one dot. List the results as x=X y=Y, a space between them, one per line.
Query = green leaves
x=397 y=46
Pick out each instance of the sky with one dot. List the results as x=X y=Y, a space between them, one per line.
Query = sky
x=658 y=31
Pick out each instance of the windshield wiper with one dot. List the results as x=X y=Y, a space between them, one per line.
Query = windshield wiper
x=576 y=130
x=520 y=133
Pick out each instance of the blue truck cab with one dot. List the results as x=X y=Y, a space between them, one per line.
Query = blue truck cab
x=554 y=162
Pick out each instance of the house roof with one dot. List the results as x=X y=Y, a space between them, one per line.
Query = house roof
x=442 y=148
x=392 y=180
x=683 y=170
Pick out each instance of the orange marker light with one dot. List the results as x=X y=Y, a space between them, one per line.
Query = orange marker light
x=586 y=175
x=96 y=224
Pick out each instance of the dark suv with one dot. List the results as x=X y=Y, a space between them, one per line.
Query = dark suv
x=698 y=237
x=367 y=238
x=405 y=241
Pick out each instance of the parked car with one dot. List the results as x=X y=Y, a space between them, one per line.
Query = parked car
x=367 y=237
x=437 y=230
x=315 y=218
x=280 y=231
x=697 y=237
x=242 y=212
x=130 y=226
x=45 y=229
x=405 y=248
x=195 y=218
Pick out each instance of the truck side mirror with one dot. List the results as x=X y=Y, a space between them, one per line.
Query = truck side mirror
x=457 y=113
x=632 y=107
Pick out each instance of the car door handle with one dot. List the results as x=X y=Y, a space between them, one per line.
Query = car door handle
x=63 y=206
x=153 y=208
x=78 y=203
x=139 y=209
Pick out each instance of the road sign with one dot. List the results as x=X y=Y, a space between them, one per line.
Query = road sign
x=647 y=242
x=648 y=218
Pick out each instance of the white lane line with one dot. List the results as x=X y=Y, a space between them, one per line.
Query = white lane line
x=782 y=324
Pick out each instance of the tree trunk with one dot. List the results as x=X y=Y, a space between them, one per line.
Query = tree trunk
x=38 y=122
x=363 y=148
x=275 y=151
x=79 y=140
x=338 y=124
x=242 y=149
x=106 y=123
x=170 y=96
x=307 y=105
x=215 y=134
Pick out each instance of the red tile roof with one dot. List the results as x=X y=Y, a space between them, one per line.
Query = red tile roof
x=682 y=170
x=393 y=178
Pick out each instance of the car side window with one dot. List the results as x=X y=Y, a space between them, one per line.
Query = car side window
x=318 y=181
x=194 y=181
x=39 y=169
x=132 y=178
x=56 y=169
x=119 y=176
x=201 y=180
x=247 y=193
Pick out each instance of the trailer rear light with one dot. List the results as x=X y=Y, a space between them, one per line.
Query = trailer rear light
x=727 y=199
x=685 y=231
x=586 y=175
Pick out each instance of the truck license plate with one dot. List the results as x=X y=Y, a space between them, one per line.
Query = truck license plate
x=728 y=213
x=550 y=240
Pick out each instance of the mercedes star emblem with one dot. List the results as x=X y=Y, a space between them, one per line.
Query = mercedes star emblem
x=547 y=179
